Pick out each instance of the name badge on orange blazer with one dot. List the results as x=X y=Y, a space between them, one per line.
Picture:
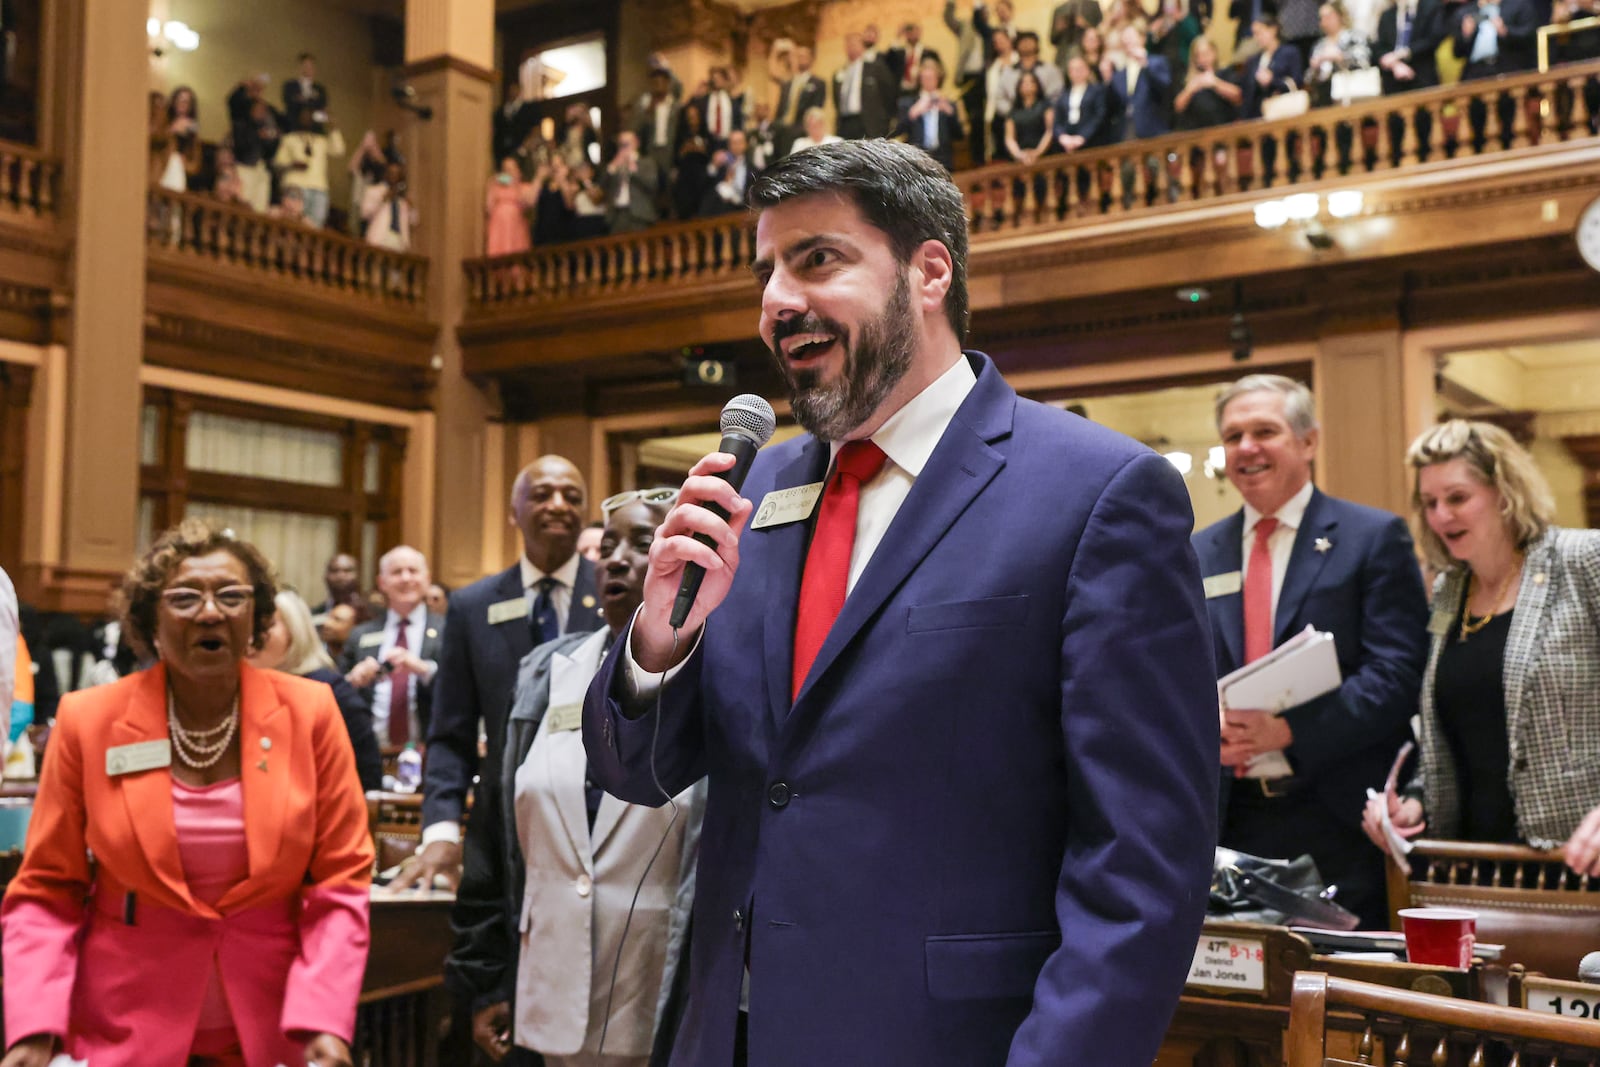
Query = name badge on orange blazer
x=143 y=756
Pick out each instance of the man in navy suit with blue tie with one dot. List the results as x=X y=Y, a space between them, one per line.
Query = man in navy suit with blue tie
x=1293 y=556
x=951 y=684
x=549 y=591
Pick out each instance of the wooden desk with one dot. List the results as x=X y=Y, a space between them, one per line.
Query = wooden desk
x=1217 y=1027
x=404 y=1008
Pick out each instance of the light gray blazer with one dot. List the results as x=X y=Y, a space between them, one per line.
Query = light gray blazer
x=1552 y=693
x=555 y=1011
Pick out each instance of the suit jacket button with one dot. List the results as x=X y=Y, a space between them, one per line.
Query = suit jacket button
x=583 y=885
x=778 y=795
x=738 y=921
x=1522 y=763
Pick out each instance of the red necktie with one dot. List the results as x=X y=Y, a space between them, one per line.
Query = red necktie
x=1258 y=594
x=400 y=694
x=827 y=573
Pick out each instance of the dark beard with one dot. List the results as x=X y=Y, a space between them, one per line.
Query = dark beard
x=874 y=364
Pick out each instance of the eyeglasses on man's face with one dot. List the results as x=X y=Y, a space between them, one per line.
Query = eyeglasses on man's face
x=230 y=599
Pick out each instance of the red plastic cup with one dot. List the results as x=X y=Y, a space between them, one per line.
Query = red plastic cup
x=1441 y=937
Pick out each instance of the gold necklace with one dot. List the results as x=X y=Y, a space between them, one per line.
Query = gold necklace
x=1470 y=625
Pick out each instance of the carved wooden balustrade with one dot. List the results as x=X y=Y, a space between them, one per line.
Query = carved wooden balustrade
x=1368 y=138
x=1401 y=1028
x=1242 y=161
x=199 y=227
x=29 y=181
x=695 y=252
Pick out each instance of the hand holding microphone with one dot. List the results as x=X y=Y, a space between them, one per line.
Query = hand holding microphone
x=696 y=551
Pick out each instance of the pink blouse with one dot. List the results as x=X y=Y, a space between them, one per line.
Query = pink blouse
x=210 y=823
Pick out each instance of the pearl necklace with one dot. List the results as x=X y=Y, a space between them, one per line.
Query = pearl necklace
x=200 y=749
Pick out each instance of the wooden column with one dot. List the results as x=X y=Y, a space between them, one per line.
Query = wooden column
x=1361 y=387
x=1586 y=450
x=449 y=62
x=105 y=52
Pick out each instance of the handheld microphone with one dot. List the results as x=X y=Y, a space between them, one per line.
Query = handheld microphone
x=1589 y=969
x=747 y=424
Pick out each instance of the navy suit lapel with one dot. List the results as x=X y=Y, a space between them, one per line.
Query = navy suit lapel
x=1305 y=563
x=785 y=549
x=1226 y=556
x=961 y=466
x=584 y=614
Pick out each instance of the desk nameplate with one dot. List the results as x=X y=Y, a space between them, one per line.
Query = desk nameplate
x=1551 y=996
x=1236 y=964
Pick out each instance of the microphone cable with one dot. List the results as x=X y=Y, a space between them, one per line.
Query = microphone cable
x=655 y=777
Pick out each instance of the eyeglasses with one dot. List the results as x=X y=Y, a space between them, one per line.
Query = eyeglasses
x=230 y=599
x=649 y=496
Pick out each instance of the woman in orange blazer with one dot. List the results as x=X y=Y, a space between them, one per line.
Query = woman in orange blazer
x=194 y=890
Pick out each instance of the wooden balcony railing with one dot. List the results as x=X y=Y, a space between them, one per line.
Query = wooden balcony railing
x=697 y=252
x=1369 y=138
x=1362 y=140
x=29 y=181
x=209 y=231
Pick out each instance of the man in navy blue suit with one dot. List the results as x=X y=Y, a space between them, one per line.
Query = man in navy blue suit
x=549 y=591
x=951 y=686
x=1296 y=782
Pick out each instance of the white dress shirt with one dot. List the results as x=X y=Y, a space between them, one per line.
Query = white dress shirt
x=566 y=577
x=661 y=128
x=907 y=438
x=1280 y=544
x=850 y=90
x=416 y=625
x=1075 y=97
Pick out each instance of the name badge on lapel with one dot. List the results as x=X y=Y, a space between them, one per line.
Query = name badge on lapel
x=783 y=506
x=507 y=610
x=1223 y=584
x=565 y=717
x=141 y=756
x=371 y=640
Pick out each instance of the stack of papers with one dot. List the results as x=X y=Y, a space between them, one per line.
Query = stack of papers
x=1301 y=669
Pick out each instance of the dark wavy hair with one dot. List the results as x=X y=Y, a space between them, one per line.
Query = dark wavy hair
x=143 y=584
x=900 y=190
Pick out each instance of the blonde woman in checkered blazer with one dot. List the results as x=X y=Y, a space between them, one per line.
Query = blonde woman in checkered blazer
x=1511 y=696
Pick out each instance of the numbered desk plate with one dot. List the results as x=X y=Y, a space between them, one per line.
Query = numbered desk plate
x=1551 y=996
x=1231 y=963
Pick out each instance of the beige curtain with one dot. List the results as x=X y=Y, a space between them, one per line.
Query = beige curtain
x=298 y=545
x=256 y=449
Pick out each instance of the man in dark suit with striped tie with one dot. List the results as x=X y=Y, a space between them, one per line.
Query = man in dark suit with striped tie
x=491 y=625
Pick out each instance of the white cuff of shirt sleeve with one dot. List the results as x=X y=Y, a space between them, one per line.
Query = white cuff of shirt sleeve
x=643 y=685
x=429 y=669
x=441 y=831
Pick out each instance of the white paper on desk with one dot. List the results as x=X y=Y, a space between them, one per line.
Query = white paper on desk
x=1301 y=669
x=63 y=1060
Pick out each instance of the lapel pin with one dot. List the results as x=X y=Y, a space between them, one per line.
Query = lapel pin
x=263 y=764
x=1322 y=544
x=431 y=632
x=1538 y=579
x=588 y=601
x=266 y=744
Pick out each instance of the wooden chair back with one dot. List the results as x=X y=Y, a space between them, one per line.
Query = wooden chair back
x=1526 y=899
x=1338 y=1022
x=395 y=820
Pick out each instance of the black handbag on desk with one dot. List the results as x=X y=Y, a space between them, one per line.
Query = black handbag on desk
x=1246 y=888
